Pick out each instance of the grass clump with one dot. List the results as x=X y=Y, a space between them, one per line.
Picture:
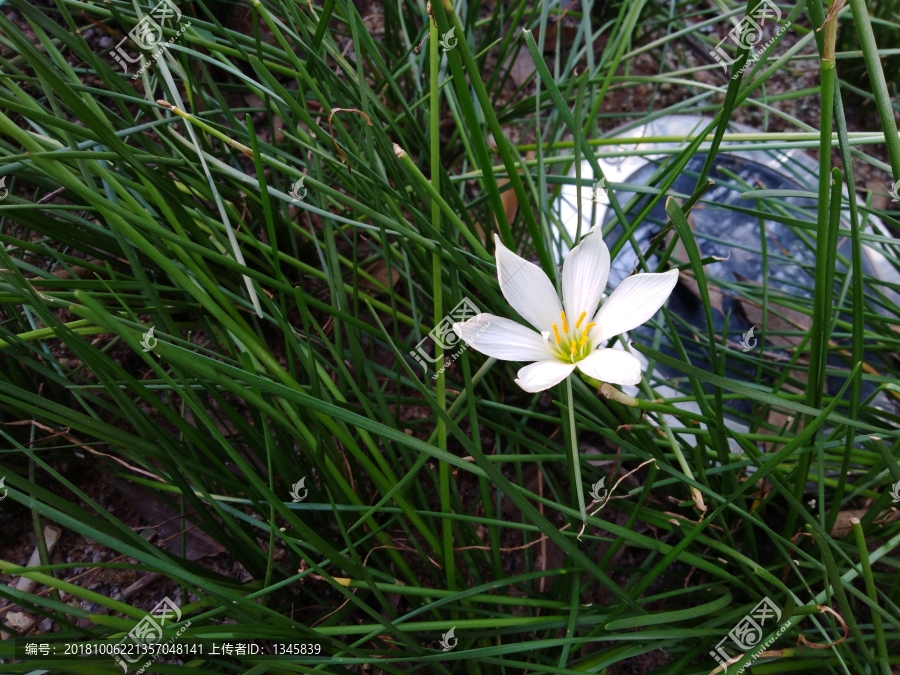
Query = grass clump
x=289 y=316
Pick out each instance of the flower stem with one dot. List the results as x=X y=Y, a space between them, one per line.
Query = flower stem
x=437 y=279
x=573 y=444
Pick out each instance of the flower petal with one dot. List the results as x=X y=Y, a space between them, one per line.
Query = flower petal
x=611 y=365
x=543 y=375
x=503 y=339
x=633 y=303
x=584 y=276
x=527 y=288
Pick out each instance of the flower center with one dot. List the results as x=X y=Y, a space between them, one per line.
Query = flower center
x=573 y=345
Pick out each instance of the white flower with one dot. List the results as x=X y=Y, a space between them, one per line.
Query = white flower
x=567 y=339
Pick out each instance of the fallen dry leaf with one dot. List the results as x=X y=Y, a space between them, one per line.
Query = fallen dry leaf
x=379 y=270
x=686 y=277
x=842 y=524
x=779 y=319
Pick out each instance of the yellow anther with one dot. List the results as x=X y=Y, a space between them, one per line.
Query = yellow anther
x=572 y=351
x=565 y=323
x=580 y=319
x=583 y=340
x=587 y=329
x=556 y=333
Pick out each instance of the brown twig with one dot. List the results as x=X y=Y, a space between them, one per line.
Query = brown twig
x=801 y=639
x=75 y=441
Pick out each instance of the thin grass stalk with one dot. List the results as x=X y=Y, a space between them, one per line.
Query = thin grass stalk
x=579 y=100
x=434 y=56
x=38 y=525
x=541 y=147
x=858 y=296
x=270 y=558
x=877 y=625
x=828 y=304
x=763 y=239
x=820 y=324
x=879 y=86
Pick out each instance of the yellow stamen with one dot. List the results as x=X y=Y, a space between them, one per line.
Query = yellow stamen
x=556 y=333
x=565 y=324
x=587 y=329
x=572 y=351
x=583 y=340
x=580 y=319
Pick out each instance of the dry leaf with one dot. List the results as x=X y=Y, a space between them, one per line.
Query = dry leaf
x=509 y=200
x=779 y=319
x=715 y=293
x=379 y=270
x=842 y=524
x=686 y=277
x=697 y=496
